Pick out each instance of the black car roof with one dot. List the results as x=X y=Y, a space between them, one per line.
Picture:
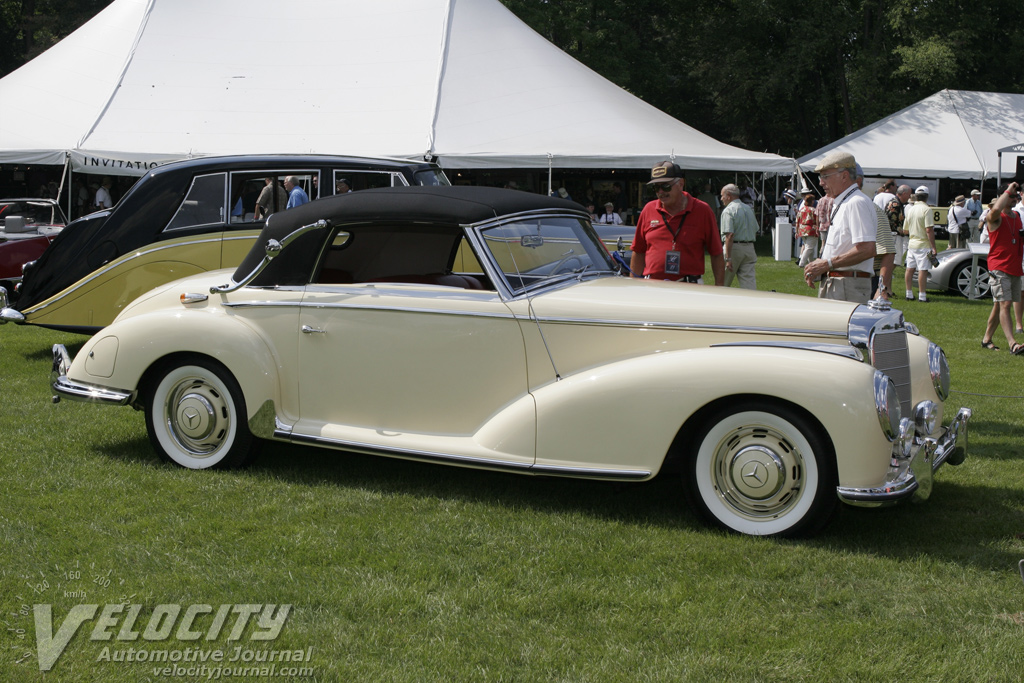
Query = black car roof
x=454 y=205
x=425 y=205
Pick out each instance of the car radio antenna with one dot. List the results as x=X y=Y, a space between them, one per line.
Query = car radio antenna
x=533 y=316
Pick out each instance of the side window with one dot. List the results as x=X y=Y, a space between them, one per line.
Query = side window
x=203 y=204
x=351 y=181
x=256 y=195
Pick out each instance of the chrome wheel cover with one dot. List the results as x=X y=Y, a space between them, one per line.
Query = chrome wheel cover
x=197 y=416
x=757 y=472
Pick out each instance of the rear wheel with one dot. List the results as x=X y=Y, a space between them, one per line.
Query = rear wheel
x=961 y=280
x=763 y=470
x=195 y=415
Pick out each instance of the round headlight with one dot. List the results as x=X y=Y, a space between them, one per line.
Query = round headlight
x=887 y=403
x=939 y=368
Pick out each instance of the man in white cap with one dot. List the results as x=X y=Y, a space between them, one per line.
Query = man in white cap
x=845 y=266
x=609 y=217
x=674 y=231
x=974 y=206
x=921 y=245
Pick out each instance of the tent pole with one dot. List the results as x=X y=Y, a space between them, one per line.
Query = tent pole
x=550 y=163
x=66 y=173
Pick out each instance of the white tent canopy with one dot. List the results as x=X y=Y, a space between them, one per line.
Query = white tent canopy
x=952 y=134
x=149 y=81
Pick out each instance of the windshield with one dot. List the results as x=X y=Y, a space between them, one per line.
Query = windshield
x=431 y=176
x=538 y=251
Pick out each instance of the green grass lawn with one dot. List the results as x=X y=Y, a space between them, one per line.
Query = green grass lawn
x=399 y=571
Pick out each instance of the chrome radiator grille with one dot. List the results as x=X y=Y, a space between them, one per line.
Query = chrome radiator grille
x=881 y=335
x=889 y=354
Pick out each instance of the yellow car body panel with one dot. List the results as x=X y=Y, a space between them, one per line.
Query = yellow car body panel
x=96 y=300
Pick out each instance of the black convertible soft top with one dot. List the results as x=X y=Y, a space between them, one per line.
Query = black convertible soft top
x=453 y=206
x=432 y=204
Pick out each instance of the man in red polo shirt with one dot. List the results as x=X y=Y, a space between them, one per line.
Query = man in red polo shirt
x=1006 y=250
x=674 y=231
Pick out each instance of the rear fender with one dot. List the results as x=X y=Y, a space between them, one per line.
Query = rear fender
x=122 y=355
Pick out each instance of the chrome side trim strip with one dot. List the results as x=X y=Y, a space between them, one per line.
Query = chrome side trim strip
x=469 y=461
x=366 y=307
x=836 y=349
x=692 y=327
x=124 y=259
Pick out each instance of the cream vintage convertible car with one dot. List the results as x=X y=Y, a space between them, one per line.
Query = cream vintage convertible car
x=346 y=328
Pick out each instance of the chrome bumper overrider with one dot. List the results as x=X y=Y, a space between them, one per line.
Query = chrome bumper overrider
x=8 y=314
x=75 y=391
x=911 y=475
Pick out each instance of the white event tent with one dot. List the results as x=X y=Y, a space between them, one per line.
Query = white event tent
x=464 y=81
x=951 y=134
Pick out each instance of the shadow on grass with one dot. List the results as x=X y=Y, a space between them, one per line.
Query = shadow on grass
x=46 y=352
x=655 y=502
x=963 y=524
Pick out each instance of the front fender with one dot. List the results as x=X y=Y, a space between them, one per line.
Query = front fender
x=119 y=356
x=631 y=411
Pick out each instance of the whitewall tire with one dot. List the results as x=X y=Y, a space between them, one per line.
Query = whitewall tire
x=762 y=470
x=195 y=415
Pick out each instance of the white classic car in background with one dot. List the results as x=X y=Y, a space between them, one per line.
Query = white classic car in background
x=346 y=328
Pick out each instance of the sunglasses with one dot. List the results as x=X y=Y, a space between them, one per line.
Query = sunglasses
x=665 y=187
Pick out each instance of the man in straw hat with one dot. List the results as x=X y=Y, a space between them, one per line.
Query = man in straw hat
x=844 y=269
x=956 y=223
x=674 y=231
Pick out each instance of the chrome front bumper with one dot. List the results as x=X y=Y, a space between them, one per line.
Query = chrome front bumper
x=912 y=475
x=76 y=391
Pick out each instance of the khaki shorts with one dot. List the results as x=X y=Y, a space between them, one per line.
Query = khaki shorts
x=1004 y=287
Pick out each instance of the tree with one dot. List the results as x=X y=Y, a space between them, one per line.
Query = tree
x=30 y=27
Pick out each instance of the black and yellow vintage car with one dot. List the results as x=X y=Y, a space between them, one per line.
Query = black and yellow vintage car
x=180 y=219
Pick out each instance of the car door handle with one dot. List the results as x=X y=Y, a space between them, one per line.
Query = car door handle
x=306 y=329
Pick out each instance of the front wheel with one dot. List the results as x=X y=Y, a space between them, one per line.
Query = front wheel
x=762 y=470
x=195 y=416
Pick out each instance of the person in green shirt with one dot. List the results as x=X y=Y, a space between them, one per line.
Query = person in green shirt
x=739 y=230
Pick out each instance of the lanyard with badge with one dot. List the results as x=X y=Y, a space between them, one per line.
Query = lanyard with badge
x=832 y=215
x=673 y=257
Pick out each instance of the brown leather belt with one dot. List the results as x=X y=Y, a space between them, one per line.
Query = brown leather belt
x=848 y=273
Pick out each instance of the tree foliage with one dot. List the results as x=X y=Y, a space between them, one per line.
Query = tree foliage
x=29 y=27
x=786 y=76
x=771 y=75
